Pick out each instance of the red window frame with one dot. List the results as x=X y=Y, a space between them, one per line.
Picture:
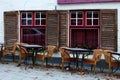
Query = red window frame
x=84 y=19
x=84 y=26
x=76 y=18
x=33 y=18
x=92 y=16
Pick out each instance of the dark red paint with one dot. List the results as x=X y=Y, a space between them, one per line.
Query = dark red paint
x=84 y=1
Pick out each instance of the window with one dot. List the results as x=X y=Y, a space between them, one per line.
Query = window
x=92 y=18
x=26 y=18
x=84 y=18
x=40 y=18
x=76 y=18
x=33 y=18
x=32 y=27
x=84 y=28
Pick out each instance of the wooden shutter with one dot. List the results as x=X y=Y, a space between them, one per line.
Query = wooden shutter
x=10 y=27
x=63 y=27
x=108 y=25
x=52 y=29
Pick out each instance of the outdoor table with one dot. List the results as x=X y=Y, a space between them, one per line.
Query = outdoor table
x=1 y=45
x=118 y=60
x=32 y=48
x=76 y=52
x=116 y=53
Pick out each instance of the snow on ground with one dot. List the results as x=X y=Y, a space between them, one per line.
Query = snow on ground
x=11 y=72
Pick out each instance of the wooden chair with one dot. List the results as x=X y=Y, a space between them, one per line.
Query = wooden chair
x=65 y=57
x=112 y=62
x=40 y=55
x=48 y=53
x=97 y=53
x=22 y=54
x=9 y=50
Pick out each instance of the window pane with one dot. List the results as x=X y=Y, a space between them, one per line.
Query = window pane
x=29 y=15
x=80 y=15
x=95 y=22
x=29 y=22
x=73 y=22
x=89 y=22
x=37 y=22
x=37 y=15
x=23 y=22
x=23 y=15
x=73 y=14
x=79 y=22
x=43 y=21
x=89 y=14
x=34 y=36
x=43 y=15
x=95 y=15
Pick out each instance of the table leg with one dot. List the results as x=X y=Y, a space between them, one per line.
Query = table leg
x=81 y=67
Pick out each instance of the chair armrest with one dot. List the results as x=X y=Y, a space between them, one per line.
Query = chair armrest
x=87 y=54
x=45 y=53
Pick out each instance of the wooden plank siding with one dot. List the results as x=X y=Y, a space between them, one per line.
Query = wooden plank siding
x=108 y=29
x=56 y=31
x=63 y=27
x=52 y=29
x=10 y=27
x=57 y=28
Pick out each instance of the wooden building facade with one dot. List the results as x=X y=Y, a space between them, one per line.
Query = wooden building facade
x=55 y=27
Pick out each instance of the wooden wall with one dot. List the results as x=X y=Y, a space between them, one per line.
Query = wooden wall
x=10 y=27
x=57 y=28
x=108 y=29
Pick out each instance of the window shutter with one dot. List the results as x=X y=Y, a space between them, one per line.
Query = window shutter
x=10 y=27
x=52 y=29
x=108 y=23
x=63 y=27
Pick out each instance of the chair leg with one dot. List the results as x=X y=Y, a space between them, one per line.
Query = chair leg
x=101 y=68
x=46 y=62
x=52 y=61
x=62 y=66
x=13 y=57
x=2 y=59
x=19 y=61
x=91 y=67
x=94 y=69
x=109 y=70
x=42 y=63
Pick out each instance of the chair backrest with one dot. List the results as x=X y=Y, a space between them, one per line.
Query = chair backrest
x=50 y=50
x=21 y=49
x=15 y=46
x=107 y=56
x=97 y=53
x=64 y=53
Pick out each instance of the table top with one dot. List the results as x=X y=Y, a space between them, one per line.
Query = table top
x=1 y=43
x=78 y=49
x=31 y=46
x=115 y=53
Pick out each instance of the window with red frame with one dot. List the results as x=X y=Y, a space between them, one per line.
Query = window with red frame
x=76 y=18
x=92 y=18
x=84 y=18
x=84 y=28
x=26 y=18
x=33 y=18
x=33 y=27
x=40 y=18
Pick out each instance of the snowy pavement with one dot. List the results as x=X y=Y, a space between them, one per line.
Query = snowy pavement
x=11 y=72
